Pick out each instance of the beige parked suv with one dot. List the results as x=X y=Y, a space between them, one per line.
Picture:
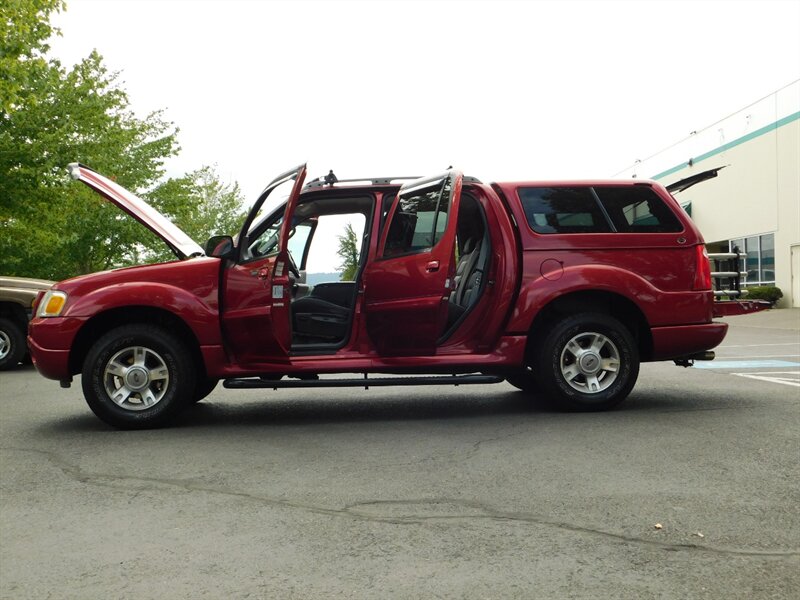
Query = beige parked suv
x=16 y=296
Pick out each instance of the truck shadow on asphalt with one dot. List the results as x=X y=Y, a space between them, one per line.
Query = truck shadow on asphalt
x=502 y=405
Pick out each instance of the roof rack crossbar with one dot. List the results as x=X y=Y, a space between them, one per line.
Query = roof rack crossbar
x=320 y=181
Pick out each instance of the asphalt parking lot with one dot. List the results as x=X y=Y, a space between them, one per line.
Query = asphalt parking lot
x=690 y=490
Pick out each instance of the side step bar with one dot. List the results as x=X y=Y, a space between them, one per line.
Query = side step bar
x=257 y=382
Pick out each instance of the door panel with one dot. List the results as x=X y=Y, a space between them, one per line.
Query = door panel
x=406 y=289
x=256 y=302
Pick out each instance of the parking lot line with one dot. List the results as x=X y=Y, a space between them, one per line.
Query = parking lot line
x=735 y=357
x=760 y=345
x=774 y=377
x=745 y=364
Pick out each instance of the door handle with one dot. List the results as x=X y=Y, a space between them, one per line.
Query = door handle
x=263 y=273
x=432 y=266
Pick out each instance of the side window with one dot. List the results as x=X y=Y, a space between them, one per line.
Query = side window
x=563 y=210
x=262 y=234
x=420 y=219
x=298 y=239
x=266 y=242
x=637 y=209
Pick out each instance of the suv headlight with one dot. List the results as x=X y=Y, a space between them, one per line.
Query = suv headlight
x=52 y=304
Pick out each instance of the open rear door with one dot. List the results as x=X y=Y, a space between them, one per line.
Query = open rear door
x=257 y=300
x=408 y=286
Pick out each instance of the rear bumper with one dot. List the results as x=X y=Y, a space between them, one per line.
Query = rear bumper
x=730 y=308
x=682 y=340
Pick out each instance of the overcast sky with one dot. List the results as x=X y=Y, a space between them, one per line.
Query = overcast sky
x=517 y=90
x=502 y=90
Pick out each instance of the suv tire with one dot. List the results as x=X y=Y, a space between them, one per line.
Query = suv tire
x=138 y=377
x=587 y=362
x=12 y=343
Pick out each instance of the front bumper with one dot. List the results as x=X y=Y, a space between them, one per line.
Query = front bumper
x=683 y=340
x=50 y=341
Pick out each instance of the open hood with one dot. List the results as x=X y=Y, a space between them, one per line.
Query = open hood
x=181 y=244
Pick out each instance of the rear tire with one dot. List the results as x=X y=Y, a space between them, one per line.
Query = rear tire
x=587 y=362
x=12 y=344
x=138 y=377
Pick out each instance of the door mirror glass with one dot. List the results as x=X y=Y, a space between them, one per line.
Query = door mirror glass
x=220 y=246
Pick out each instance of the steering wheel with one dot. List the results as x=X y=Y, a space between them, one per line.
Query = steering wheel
x=292 y=265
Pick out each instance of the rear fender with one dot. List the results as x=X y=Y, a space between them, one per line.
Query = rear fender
x=659 y=308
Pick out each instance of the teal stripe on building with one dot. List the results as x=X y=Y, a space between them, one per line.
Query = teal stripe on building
x=745 y=138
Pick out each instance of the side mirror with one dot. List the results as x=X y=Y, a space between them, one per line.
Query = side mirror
x=220 y=246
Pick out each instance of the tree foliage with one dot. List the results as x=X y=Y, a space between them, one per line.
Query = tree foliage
x=51 y=116
x=348 y=252
x=200 y=204
x=24 y=31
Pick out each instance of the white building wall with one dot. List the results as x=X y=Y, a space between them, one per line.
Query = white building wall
x=758 y=191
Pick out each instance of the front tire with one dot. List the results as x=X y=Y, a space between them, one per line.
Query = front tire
x=587 y=362
x=12 y=344
x=138 y=377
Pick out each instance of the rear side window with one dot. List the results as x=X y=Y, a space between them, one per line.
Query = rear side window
x=563 y=210
x=637 y=209
x=625 y=209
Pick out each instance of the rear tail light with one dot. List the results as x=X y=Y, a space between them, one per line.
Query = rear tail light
x=702 y=273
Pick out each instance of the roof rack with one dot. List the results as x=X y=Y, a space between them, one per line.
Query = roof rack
x=320 y=182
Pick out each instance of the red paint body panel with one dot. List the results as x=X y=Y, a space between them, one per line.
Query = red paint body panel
x=188 y=289
x=242 y=330
x=50 y=341
x=406 y=296
x=674 y=342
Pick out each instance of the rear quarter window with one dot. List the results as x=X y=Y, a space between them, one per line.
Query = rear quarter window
x=605 y=209
x=637 y=209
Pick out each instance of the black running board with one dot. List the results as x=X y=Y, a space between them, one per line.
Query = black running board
x=365 y=382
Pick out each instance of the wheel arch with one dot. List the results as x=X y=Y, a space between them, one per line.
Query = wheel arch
x=594 y=301
x=105 y=321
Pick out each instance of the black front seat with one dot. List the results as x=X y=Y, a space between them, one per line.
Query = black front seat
x=325 y=313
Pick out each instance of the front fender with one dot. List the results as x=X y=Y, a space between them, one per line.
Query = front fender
x=200 y=314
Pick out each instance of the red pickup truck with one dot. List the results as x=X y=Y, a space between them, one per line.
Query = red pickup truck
x=561 y=288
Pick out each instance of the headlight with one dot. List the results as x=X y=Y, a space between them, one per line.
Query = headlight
x=52 y=304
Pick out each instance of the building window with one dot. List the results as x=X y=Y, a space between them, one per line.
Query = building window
x=760 y=261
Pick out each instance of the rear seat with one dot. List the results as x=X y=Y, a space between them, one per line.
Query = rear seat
x=468 y=277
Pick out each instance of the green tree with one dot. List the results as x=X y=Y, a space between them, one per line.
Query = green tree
x=24 y=31
x=50 y=116
x=348 y=252
x=200 y=204
x=51 y=226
